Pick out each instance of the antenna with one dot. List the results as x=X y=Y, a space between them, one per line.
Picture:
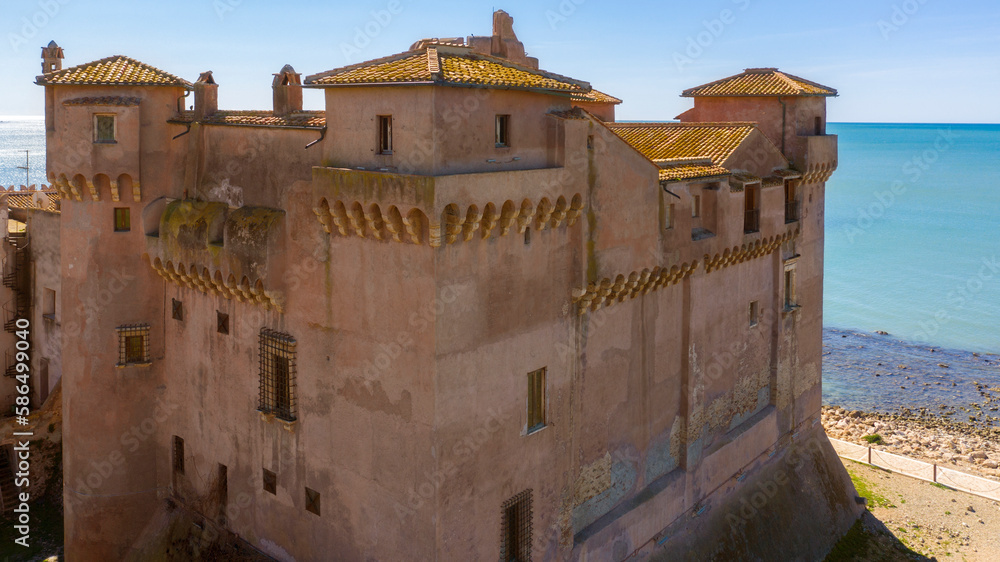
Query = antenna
x=27 y=170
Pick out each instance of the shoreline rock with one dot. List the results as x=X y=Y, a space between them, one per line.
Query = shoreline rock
x=921 y=436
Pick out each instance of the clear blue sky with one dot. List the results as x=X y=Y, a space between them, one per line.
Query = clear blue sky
x=891 y=60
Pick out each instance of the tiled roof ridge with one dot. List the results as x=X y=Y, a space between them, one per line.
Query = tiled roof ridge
x=454 y=50
x=692 y=124
x=46 y=77
x=810 y=82
x=788 y=79
x=442 y=50
x=313 y=78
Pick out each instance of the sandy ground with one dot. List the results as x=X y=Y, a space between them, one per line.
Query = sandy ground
x=926 y=521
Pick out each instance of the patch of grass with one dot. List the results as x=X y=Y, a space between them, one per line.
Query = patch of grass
x=852 y=546
x=942 y=486
x=865 y=490
x=947 y=513
x=874 y=439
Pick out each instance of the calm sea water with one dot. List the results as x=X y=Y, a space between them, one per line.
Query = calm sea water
x=18 y=134
x=912 y=249
x=913 y=233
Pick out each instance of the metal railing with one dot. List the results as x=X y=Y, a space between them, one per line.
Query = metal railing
x=930 y=472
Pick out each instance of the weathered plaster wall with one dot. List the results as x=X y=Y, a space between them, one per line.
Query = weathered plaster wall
x=44 y=229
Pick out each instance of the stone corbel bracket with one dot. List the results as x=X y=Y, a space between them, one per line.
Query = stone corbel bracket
x=746 y=252
x=352 y=218
x=609 y=292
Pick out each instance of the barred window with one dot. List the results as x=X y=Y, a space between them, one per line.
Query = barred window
x=515 y=528
x=133 y=344
x=277 y=374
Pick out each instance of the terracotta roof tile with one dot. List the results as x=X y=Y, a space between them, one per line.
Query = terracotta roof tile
x=595 y=96
x=665 y=141
x=760 y=82
x=117 y=70
x=26 y=200
x=297 y=119
x=458 y=66
x=104 y=100
x=691 y=171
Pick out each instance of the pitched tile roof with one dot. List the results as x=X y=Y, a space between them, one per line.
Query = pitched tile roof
x=26 y=199
x=595 y=96
x=666 y=141
x=691 y=171
x=117 y=70
x=296 y=119
x=446 y=64
x=104 y=100
x=760 y=82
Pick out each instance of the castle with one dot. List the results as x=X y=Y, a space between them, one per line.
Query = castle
x=461 y=314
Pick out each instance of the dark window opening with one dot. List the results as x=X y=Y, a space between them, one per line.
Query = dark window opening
x=527 y=236
x=385 y=134
x=221 y=322
x=270 y=482
x=536 y=400
x=178 y=455
x=515 y=529
x=751 y=218
x=312 y=501
x=177 y=309
x=222 y=489
x=277 y=374
x=819 y=125
x=503 y=131
x=791 y=203
x=123 y=220
x=754 y=313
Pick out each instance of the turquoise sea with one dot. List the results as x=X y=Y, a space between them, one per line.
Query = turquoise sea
x=912 y=250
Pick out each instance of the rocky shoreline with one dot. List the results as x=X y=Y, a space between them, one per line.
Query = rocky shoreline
x=920 y=435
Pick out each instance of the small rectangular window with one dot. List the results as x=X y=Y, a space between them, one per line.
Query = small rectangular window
x=536 y=400
x=312 y=501
x=751 y=216
x=270 y=482
x=105 y=129
x=221 y=322
x=123 y=220
x=754 y=313
x=133 y=344
x=503 y=131
x=385 y=134
x=515 y=528
x=670 y=216
x=178 y=455
x=49 y=304
x=695 y=206
x=790 y=289
x=176 y=309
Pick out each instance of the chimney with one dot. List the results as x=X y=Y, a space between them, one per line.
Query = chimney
x=287 y=88
x=503 y=43
x=206 y=96
x=51 y=58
